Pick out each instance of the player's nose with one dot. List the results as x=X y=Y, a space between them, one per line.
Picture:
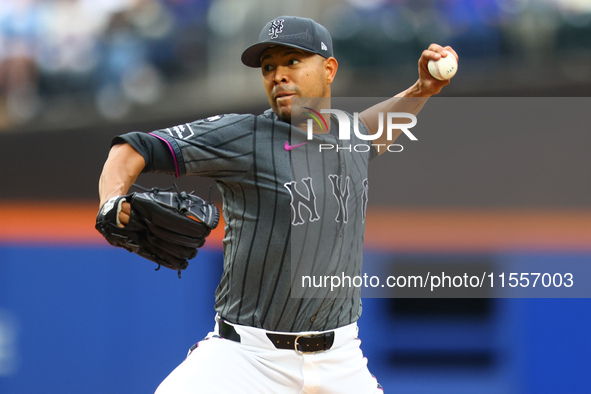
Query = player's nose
x=281 y=75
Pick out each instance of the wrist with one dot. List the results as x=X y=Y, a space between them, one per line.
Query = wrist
x=416 y=91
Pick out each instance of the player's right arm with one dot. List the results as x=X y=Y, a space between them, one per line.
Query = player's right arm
x=410 y=100
x=124 y=164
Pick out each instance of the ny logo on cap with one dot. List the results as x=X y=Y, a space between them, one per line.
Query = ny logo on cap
x=276 y=28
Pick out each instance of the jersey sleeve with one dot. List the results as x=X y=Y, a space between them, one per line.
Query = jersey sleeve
x=218 y=147
x=155 y=152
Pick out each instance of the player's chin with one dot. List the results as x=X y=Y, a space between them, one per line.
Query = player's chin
x=289 y=113
x=284 y=113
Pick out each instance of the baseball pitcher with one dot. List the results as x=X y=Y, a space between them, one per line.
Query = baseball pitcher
x=288 y=207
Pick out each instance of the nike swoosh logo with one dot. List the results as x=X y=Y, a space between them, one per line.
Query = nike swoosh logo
x=288 y=147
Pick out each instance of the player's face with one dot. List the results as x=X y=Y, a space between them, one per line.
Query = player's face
x=290 y=72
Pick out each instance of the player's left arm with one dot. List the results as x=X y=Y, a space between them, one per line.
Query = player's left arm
x=410 y=100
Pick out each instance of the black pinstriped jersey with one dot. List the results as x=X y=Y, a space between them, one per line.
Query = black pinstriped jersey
x=290 y=210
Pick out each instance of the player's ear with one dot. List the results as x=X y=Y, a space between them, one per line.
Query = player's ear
x=330 y=67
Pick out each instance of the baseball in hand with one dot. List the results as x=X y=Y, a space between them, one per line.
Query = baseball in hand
x=444 y=68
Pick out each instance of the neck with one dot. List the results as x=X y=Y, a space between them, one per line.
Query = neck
x=309 y=110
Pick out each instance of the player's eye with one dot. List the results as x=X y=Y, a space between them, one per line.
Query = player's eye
x=293 y=61
x=267 y=67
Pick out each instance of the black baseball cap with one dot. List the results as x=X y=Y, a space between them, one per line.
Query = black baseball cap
x=291 y=31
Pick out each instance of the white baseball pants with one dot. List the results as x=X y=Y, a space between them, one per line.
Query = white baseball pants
x=255 y=366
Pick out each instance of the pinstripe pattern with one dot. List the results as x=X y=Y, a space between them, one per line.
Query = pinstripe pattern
x=263 y=251
x=330 y=246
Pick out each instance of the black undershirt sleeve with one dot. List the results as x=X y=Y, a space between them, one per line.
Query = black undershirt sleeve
x=155 y=152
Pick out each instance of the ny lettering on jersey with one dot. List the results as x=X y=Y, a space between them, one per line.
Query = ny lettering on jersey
x=341 y=193
x=300 y=201
x=364 y=199
x=305 y=202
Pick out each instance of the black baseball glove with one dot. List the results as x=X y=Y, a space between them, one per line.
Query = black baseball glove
x=164 y=227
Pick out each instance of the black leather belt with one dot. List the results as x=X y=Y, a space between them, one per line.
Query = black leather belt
x=311 y=343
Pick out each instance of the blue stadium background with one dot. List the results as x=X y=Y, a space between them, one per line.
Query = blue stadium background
x=97 y=320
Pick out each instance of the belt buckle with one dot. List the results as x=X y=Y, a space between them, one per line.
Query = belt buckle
x=295 y=344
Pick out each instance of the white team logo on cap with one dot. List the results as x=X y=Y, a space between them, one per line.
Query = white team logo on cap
x=323 y=46
x=276 y=28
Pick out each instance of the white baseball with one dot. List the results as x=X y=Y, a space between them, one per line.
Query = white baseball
x=444 y=68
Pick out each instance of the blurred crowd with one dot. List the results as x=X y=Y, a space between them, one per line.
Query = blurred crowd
x=113 y=55
x=497 y=30
x=112 y=52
